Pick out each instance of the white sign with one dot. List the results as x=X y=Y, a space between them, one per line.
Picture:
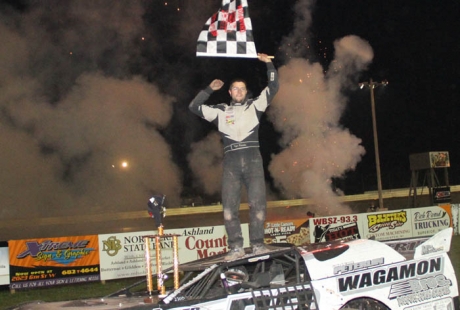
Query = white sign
x=4 y=266
x=124 y=255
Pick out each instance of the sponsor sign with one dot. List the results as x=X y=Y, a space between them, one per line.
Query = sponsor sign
x=392 y=274
x=295 y=231
x=123 y=255
x=408 y=283
x=198 y=243
x=4 y=264
x=441 y=194
x=383 y=225
x=454 y=209
x=387 y=225
x=341 y=227
x=439 y=159
x=53 y=261
x=430 y=220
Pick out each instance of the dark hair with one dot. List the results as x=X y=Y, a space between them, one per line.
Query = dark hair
x=237 y=80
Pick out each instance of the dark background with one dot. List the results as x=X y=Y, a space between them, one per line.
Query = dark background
x=415 y=49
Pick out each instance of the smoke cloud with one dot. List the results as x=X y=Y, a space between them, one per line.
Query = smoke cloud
x=307 y=111
x=85 y=110
x=205 y=160
x=80 y=132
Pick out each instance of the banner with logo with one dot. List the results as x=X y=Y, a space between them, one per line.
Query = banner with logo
x=340 y=227
x=197 y=243
x=384 y=225
x=4 y=264
x=296 y=231
x=388 y=225
x=123 y=255
x=428 y=221
x=53 y=261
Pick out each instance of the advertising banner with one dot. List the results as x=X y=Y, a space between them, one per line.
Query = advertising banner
x=296 y=231
x=428 y=221
x=123 y=255
x=53 y=261
x=383 y=225
x=388 y=225
x=197 y=243
x=4 y=264
x=340 y=227
x=454 y=209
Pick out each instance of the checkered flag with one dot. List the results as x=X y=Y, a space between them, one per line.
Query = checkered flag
x=228 y=33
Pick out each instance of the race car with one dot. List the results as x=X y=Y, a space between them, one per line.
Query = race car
x=355 y=274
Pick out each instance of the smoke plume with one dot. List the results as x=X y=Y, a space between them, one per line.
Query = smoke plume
x=91 y=93
x=79 y=131
x=307 y=111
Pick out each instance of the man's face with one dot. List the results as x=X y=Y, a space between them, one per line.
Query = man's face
x=238 y=92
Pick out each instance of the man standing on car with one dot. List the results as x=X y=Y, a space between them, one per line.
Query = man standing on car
x=238 y=123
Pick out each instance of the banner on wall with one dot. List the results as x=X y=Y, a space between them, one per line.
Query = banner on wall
x=296 y=231
x=387 y=225
x=383 y=226
x=428 y=221
x=123 y=255
x=340 y=227
x=198 y=243
x=53 y=261
x=4 y=264
x=454 y=209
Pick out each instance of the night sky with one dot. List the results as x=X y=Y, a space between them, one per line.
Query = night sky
x=85 y=86
x=416 y=51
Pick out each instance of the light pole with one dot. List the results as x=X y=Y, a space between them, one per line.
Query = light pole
x=371 y=84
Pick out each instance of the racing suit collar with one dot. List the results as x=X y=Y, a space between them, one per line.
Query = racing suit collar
x=233 y=103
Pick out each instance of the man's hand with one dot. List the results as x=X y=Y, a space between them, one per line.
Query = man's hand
x=216 y=85
x=264 y=57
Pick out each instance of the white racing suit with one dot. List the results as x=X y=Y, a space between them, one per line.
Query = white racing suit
x=238 y=124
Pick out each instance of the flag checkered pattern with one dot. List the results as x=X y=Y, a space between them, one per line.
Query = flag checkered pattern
x=228 y=33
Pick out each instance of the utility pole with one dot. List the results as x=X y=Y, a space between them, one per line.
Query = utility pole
x=371 y=84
